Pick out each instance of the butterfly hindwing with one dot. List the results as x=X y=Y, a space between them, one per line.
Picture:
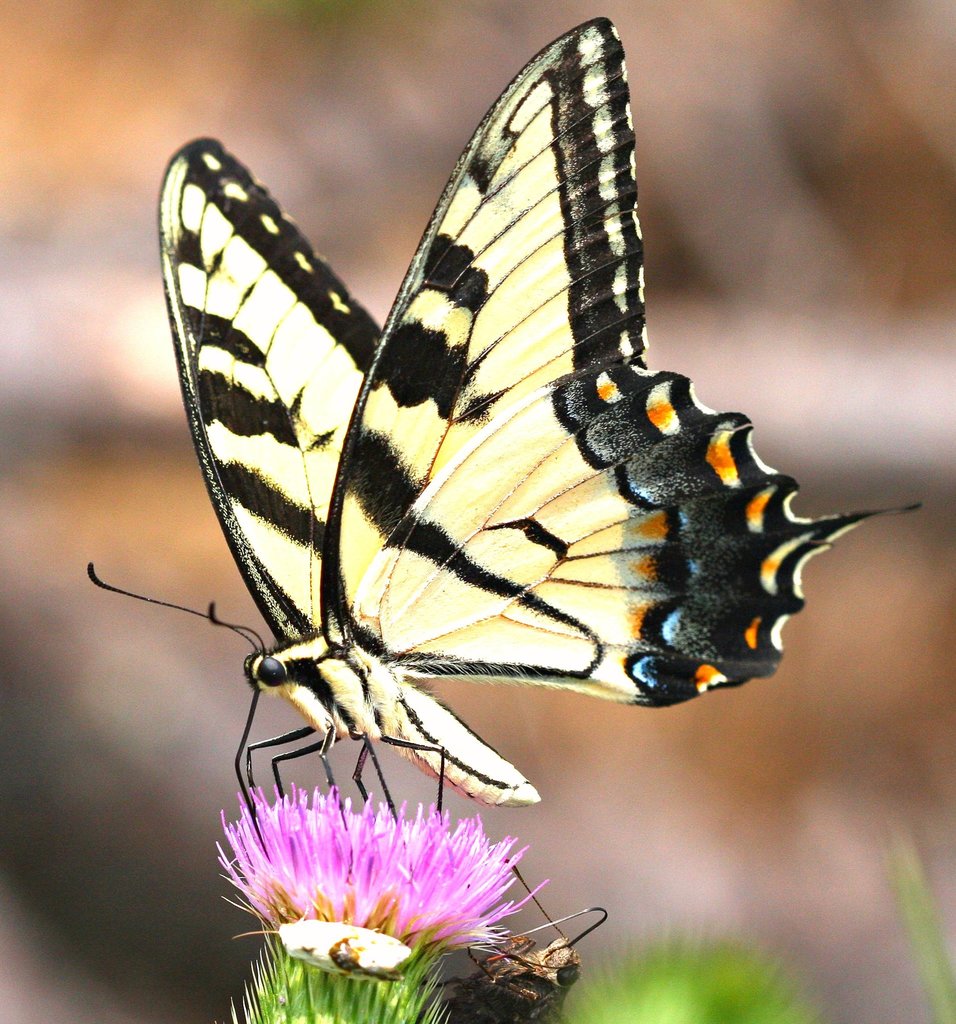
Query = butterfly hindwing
x=608 y=535
x=530 y=269
x=271 y=351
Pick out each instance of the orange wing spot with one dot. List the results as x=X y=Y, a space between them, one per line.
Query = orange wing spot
x=645 y=568
x=707 y=676
x=635 y=619
x=607 y=390
x=662 y=414
x=756 y=508
x=768 y=573
x=721 y=460
x=770 y=566
x=652 y=526
x=750 y=633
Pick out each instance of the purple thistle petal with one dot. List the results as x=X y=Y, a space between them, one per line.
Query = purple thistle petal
x=417 y=879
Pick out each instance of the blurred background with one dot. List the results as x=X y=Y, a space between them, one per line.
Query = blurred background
x=797 y=167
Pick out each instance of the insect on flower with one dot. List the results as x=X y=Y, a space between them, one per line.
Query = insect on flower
x=518 y=982
x=345 y=949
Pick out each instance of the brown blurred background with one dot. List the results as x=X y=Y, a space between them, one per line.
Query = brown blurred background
x=797 y=165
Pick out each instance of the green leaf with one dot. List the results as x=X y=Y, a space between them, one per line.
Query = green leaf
x=677 y=983
x=925 y=931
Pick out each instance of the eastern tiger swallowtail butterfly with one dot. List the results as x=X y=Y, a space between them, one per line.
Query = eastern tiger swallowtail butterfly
x=494 y=486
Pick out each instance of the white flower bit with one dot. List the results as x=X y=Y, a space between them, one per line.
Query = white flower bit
x=345 y=949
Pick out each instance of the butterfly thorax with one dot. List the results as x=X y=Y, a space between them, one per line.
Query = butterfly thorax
x=342 y=690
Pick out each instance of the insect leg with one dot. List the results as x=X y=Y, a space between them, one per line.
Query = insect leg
x=321 y=746
x=408 y=745
x=367 y=749
x=246 y=796
x=286 y=737
x=359 y=768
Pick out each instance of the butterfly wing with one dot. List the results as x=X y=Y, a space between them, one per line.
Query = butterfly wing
x=529 y=270
x=271 y=351
x=608 y=535
x=523 y=498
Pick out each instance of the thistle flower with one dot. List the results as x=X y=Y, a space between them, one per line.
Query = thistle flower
x=428 y=884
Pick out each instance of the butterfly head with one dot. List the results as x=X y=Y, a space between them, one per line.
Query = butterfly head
x=569 y=971
x=265 y=671
x=322 y=687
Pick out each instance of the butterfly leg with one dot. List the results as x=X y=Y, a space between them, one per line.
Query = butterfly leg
x=321 y=747
x=367 y=749
x=286 y=737
x=428 y=748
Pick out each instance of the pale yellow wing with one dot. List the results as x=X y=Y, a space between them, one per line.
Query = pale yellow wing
x=607 y=534
x=530 y=270
x=271 y=351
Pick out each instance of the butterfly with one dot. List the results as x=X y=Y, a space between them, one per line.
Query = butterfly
x=495 y=486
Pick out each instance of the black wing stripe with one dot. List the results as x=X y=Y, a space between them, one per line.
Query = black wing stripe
x=221 y=333
x=589 y=246
x=311 y=281
x=244 y=414
x=264 y=500
x=379 y=480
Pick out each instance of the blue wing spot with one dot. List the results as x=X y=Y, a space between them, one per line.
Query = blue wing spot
x=640 y=495
x=669 y=629
x=644 y=672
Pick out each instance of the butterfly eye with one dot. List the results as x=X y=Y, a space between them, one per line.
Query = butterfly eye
x=271 y=672
x=567 y=975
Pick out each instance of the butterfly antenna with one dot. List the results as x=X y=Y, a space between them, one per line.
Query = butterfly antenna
x=91 y=572
x=243 y=631
x=246 y=632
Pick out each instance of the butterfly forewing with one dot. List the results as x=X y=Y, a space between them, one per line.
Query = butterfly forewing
x=552 y=510
x=271 y=351
x=530 y=269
